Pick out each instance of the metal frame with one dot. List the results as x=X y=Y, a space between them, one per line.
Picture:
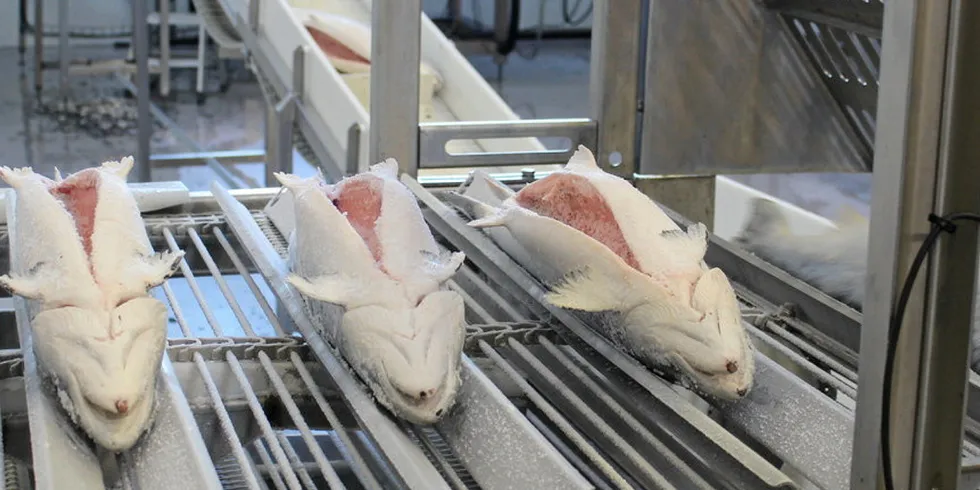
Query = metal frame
x=925 y=162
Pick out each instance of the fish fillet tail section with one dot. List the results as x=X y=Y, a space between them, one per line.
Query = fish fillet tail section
x=484 y=214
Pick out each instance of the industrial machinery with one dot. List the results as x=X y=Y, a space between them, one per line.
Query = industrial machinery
x=261 y=401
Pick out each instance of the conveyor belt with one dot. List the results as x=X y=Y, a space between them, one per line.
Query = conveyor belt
x=260 y=402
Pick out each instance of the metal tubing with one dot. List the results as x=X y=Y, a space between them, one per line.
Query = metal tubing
x=918 y=170
x=614 y=82
x=433 y=138
x=143 y=122
x=395 y=44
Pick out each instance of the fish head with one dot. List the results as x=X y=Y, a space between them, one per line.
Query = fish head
x=409 y=356
x=105 y=364
x=705 y=340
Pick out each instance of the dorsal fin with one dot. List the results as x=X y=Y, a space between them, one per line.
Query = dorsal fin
x=121 y=168
x=583 y=160
x=386 y=169
x=294 y=182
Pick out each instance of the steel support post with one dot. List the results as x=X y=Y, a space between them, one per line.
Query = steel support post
x=925 y=161
x=281 y=122
x=165 y=47
x=144 y=123
x=617 y=38
x=64 y=53
x=394 y=125
x=38 y=48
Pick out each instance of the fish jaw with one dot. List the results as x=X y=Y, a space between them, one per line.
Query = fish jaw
x=707 y=342
x=108 y=381
x=409 y=357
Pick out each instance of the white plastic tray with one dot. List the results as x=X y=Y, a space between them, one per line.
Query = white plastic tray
x=465 y=95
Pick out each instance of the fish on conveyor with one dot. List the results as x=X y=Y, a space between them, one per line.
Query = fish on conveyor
x=363 y=247
x=602 y=246
x=834 y=261
x=347 y=42
x=85 y=260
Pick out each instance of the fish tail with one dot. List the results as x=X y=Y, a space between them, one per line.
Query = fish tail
x=121 y=168
x=766 y=221
x=472 y=208
x=15 y=176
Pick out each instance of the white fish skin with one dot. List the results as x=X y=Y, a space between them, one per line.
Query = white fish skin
x=670 y=309
x=97 y=332
x=356 y=36
x=393 y=319
x=834 y=262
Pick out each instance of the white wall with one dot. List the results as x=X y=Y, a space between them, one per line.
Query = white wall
x=113 y=13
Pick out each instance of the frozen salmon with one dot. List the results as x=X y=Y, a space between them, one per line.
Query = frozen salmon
x=363 y=249
x=84 y=257
x=603 y=247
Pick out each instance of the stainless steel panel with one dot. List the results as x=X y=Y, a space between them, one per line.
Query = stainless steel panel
x=614 y=82
x=729 y=91
x=395 y=52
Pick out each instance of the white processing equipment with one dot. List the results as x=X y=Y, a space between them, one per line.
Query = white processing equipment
x=262 y=402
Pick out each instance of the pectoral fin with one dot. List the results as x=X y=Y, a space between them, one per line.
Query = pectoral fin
x=442 y=266
x=689 y=245
x=590 y=289
x=159 y=266
x=345 y=290
x=28 y=286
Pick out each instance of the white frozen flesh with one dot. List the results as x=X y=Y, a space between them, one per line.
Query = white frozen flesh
x=363 y=246
x=84 y=256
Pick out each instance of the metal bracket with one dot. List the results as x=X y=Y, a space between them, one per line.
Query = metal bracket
x=353 y=148
x=433 y=138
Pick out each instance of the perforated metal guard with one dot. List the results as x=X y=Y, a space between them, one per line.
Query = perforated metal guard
x=842 y=39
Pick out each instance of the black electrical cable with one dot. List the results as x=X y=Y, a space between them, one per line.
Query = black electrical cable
x=939 y=225
x=568 y=14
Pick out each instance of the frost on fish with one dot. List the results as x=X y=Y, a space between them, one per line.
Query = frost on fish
x=603 y=247
x=346 y=42
x=363 y=246
x=834 y=261
x=84 y=257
